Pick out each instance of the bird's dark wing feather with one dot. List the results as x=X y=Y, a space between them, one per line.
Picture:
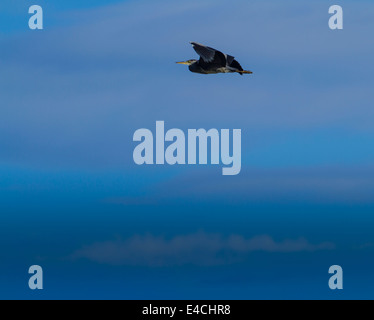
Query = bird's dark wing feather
x=229 y=59
x=235 y=64
x=209 y=55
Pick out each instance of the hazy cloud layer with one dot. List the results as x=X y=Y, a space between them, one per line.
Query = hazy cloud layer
x=317 y=185
x=195 y=249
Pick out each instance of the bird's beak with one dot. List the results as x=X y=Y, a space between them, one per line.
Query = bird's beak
x=182 y=62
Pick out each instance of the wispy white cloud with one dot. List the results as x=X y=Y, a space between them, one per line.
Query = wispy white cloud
x=194 y=249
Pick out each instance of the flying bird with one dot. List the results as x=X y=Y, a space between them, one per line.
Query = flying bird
x=213 y=61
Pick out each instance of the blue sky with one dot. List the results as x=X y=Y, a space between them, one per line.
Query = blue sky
x=73 y=94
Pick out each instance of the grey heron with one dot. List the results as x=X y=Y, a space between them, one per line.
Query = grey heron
x=213 y=61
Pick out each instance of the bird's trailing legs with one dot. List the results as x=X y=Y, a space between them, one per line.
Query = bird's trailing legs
x=244 y=72
x=233 y=69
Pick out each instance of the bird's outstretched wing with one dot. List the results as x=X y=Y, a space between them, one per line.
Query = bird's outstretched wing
x=204 y=52
x=210 y=55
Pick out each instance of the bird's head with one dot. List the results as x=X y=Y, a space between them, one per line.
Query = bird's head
x=188 y=62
